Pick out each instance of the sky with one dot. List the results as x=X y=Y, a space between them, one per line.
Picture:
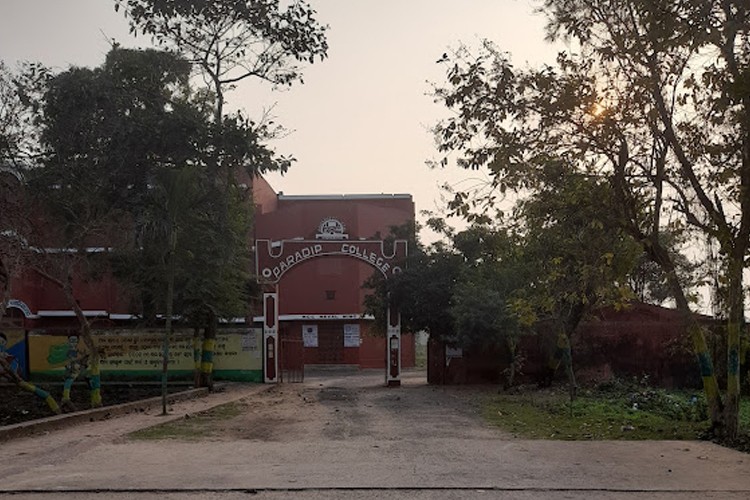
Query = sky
x=361 y=121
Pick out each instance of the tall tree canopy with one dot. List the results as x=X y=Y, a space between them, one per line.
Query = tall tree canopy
x=231 y=40
x=656 y=103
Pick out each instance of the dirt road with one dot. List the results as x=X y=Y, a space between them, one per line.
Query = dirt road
x=347 y=436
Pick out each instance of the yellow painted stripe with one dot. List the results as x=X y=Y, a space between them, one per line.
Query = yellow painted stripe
x=52 y=404
x=710 y=386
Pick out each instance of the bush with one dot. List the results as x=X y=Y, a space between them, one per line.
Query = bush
x=685 y=406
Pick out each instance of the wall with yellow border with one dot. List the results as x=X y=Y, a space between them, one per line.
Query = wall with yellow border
x=137 y=355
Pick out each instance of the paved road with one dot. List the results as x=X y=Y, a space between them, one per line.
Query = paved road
x=345 y=436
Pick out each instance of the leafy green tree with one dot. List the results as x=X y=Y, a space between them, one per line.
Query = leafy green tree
x=18 y=147
x=578 y=256
x=232 y=40
x=642 y=106
x=174 y=197
x=94 y=125
x=458 y=291
x=422 y=292
x=106 y=134
x=649 y=282
x=484 y=305
x=698 y=107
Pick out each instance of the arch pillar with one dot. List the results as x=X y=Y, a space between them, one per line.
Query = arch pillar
x=271 y=337
x=393 y=348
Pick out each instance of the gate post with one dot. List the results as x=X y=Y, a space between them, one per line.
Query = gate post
x=393 y=349
x=270 y=337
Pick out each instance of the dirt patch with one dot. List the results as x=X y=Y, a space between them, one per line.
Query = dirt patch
x=21 y=406
x=351 y=407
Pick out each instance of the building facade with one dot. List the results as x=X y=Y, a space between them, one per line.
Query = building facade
x=327 y=246
x=320 y=299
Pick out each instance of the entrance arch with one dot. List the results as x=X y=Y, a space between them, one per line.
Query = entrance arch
x=273 y=259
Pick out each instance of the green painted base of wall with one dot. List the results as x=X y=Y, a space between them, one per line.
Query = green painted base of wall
x=155 y=376
x=239 y=375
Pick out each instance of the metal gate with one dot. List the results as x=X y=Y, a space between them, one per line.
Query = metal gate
x=292 y=360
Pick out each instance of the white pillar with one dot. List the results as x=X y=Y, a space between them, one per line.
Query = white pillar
x=271 y=337
x=393 y=349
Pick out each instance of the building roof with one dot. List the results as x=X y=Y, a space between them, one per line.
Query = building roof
x=339 y=197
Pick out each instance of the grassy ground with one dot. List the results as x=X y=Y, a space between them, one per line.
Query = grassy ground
x=613 y=412
x=191 y=427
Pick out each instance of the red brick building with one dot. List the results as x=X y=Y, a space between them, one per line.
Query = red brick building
x=321 y=296
x=331 y=245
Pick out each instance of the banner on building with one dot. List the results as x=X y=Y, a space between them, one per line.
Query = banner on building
x=351 y=335
x=138 y=354
x=310 y=335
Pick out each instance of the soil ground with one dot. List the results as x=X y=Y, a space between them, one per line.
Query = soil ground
x=356 y=406
x=344 y=435
x=21 y=406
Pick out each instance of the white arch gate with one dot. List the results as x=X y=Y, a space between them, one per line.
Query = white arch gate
x=274 y=258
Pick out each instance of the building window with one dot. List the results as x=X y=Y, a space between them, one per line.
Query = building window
x=330 y=294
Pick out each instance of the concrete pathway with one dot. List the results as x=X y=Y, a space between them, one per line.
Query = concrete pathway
x=421 y=442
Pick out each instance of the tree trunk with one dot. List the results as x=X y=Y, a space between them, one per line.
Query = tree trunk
x=207 y=358
x=566 y=356
x=9 y=374
x=734 y=327
x=710 y=385
x=563 y=356
x=168 y=326
x=660 y=256
x=92 y=359
x=510 y=376
x=4 y=287
x=197 y=356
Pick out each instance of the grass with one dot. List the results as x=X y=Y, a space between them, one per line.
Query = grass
x=193 y=427
x=621 y=413
x=420 y=356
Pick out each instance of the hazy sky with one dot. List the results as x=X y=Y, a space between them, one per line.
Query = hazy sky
x=360 y=123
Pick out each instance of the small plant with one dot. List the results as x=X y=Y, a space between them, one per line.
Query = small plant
x=675 y=406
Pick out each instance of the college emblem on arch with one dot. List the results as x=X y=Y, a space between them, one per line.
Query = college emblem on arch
x=331 y=229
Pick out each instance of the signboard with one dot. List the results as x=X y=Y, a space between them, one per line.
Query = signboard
x=351 y=335
x=273 y=259
x=454 y=352
x=310 y=335
x=249 y=342
x=140 y=352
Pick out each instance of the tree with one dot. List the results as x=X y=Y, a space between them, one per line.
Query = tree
x=698 y=108
x=232 y=40
x=103 y=134
x=458 y=291
x=174 y=196
x=18 y=140
x=17 y=148
x=484 y=305
x=422 y=292
x=577 y=255
x=641 y=108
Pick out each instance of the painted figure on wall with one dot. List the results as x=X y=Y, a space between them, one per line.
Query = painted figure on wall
x=12 y=370
x=9 y=358
x=76 y=363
